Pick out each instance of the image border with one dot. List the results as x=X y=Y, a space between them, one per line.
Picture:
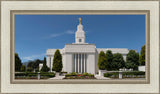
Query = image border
x=81 y=12
x=72 y=83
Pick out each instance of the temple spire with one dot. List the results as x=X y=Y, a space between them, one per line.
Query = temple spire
x=80 y=34
x=80 y=20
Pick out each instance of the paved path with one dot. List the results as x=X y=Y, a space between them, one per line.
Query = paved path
x=101 y=77
x=61 y=77
x=57 y=78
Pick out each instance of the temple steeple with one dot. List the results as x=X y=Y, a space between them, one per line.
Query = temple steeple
x=80 y=34
x=80 y=20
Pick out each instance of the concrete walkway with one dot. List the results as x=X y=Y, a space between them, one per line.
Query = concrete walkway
x=57 y=78
x=61 y=77
x=101 y=77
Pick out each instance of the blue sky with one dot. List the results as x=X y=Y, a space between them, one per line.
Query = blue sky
x=34 y=34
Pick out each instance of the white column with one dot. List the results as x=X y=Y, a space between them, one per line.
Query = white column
x=81 y=63
x=84 y=62
x=75 y=61
x=78 y=63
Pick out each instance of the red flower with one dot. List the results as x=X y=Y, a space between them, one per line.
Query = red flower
x=79 y=75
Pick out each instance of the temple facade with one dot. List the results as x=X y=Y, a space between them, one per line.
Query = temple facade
x=80 y=56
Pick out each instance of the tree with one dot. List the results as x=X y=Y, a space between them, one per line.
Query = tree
x=30 y=64
x=44 y=68
x=102 y=61
x=37 y=69
x=29 y=69
x=142 y=56
x=57 y=61
x=34 y=64
x=109 y=56
x=18 y=63
x=118 y=61
x=23 y=68
x=132 y=60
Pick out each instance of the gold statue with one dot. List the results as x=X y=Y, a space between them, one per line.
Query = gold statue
x=80 y=20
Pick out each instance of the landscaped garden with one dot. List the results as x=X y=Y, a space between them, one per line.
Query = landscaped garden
x=74 y=75
x=106 y=61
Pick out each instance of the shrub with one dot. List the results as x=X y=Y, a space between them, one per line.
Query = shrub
x=71 y=74
x=85 y=74
x=20 y=74
x=134 y=73
x=63 y=72
x=132 y=60
x=109 y=56
x=23 y=68
x=118 y=61
x=29 y=69
x=57 y=61
x=67 y=75
x=115 y=74
x=45 y=68
x=37 y=69
x=74 y=75
x=88 y=74
x=142 y=56
x=47 y=74
x=18 y=62
x=34 y=74
x=102 y=61
x=107 y=74
x=124 y=74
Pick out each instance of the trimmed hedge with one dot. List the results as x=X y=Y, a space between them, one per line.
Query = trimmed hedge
x=115 y=74
x=26 y=74
x=125 y=74
x=134 y=73
x=76 y=74
x=63 y=72
x=34 y=74
x=71 y=74
x=47 y=75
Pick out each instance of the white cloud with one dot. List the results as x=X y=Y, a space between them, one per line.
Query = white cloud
x=32 y=57
x=27 y=58
x=70 y=32
x=55 y=35
x=61 y=34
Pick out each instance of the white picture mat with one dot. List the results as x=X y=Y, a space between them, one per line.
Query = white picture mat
x=153 y=87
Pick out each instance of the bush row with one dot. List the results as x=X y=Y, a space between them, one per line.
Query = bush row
x=32 y=74
x=111 y=74
x=77 y=74
x=134 y=73
x=24 y=77
x=125 y=74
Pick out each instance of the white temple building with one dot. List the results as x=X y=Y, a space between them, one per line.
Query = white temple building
x=81 y=56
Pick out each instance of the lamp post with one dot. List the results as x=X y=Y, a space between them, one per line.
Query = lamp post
x=120 y=73
x=39 y=76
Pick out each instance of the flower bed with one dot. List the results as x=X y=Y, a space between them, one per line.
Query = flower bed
x=74 y=75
